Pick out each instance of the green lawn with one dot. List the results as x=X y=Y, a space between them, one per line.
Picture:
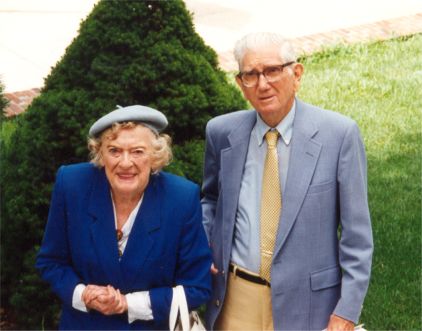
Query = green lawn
x=380 y=86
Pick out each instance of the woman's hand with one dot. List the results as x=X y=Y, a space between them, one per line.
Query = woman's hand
x=92 y=292
x=105 y=299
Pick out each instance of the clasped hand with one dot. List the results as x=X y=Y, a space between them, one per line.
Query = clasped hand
x=105 y=299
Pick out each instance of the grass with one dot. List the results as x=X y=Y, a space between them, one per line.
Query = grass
x=380 y=86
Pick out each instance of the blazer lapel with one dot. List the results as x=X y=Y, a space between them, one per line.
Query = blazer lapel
x=103 y=229
x=303 y=159
x=140 y=241
x=232 y=164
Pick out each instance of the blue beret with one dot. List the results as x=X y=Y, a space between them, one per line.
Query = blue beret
x=152 y=118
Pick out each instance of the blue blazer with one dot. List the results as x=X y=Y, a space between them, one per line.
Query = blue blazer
x=314 y=274
x=167 y=246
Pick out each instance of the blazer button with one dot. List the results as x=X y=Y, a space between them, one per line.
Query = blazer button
x=217 y=303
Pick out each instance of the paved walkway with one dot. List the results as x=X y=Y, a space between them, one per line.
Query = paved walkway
x=310 y=24
x=382 y=30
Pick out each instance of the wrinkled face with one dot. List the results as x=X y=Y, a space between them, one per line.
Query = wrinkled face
x=127 y=160
x=271 y=100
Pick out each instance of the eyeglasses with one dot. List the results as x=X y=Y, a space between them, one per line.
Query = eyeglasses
x=272 y=74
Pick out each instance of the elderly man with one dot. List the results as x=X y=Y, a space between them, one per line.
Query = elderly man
x=285 y=204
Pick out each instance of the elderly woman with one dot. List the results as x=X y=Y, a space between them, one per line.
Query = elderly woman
x=121 y=233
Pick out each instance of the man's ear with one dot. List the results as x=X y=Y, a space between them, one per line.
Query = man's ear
x=298 y=70
x=239 y=81
x=240 y=84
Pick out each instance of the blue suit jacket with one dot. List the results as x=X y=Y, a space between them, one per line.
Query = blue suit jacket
x=167 y=246
x=314 y=274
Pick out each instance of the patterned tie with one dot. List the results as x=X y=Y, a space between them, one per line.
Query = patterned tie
x=270 y=204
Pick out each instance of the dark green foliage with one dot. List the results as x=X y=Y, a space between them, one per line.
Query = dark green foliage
x=3 y=102
x=127 y=52
x=147 y=52
x=188 y=160
x=31 y=286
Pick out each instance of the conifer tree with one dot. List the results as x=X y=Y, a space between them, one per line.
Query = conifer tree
x=3 y=102
x=127 y=52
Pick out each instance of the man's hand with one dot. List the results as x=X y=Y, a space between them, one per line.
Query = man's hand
x=336 y=323
x=106 y=300
x=213 y=270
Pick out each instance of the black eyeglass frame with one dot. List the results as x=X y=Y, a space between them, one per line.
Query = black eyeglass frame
x=259 y=73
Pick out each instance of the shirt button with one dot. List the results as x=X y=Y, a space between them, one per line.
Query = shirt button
x=217 y=303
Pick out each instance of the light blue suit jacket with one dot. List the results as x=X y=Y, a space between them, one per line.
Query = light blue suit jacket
x=314 y=273
x=167 y=246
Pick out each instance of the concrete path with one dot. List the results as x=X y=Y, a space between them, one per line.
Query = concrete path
x=34 y=34
x=309 y=23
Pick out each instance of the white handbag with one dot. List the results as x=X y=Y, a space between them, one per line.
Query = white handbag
x=357 y=328
x=180 y=319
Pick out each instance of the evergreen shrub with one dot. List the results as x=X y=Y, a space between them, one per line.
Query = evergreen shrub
x=127 y=52
x=3 y=102
x=188 y=160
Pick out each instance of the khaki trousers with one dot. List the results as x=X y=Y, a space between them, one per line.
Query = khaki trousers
x=247 y=306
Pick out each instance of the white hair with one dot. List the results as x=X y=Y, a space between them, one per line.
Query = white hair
x=259 y=40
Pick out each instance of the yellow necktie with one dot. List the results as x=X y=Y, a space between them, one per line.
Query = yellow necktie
x=270 y=204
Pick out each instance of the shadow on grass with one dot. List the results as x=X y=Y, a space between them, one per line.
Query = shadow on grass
x=394 y=183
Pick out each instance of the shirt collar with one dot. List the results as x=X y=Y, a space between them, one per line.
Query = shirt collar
x=285 y=127
x=127 y=227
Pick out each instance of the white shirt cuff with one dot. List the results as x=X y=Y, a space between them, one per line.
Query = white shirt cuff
x=139 y=306
x=77 y=302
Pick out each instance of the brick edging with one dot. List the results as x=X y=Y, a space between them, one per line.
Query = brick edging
x=381 y=30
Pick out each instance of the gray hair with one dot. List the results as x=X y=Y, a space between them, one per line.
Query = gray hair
x=259 y=40
x=161 y=154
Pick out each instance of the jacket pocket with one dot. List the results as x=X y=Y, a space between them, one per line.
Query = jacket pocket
x=321 y=187
x=325 y=278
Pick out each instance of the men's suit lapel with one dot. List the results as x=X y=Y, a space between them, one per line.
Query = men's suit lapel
x=304 y=155
x=232 y=164
x=103 y=229
x=140 y=241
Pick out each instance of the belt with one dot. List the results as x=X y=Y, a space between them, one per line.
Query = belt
x=249 y=277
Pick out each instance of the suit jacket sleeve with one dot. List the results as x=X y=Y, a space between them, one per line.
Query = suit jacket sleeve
x=210 y=183
x=356 y=244
x=53 y=260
